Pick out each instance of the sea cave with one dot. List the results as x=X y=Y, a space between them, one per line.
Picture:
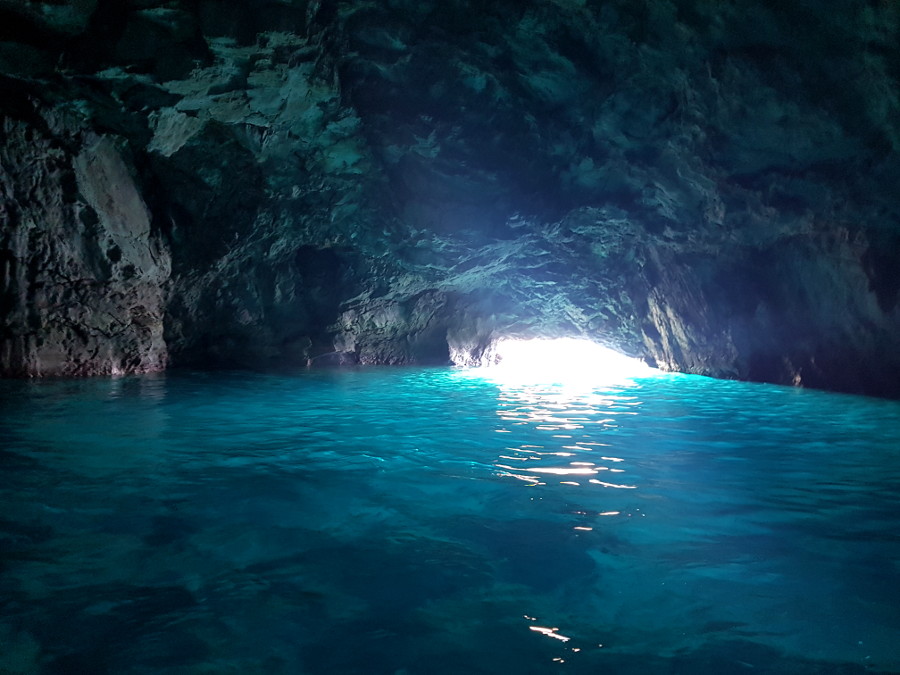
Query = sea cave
x=275 y=276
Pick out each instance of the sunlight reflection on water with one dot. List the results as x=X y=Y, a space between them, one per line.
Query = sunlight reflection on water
x=444 y=521
x=581 y=410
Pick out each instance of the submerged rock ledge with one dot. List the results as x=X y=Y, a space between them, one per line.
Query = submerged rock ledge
x=709 y=186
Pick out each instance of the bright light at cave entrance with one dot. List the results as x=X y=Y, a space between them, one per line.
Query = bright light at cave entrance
x=565 y=360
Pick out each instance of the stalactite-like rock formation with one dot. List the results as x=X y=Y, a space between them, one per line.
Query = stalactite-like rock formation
x=711 y=186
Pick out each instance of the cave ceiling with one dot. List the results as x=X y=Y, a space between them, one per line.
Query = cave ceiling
x=711 y=186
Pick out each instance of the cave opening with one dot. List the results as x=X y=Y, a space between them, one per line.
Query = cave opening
x=567 y=360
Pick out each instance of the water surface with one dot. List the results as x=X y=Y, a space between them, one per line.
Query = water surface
x=407 y=521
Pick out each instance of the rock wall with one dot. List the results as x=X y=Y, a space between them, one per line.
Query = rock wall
x=711 y=186
x=81 y=271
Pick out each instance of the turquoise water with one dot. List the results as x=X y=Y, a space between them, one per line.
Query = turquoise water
x=432 y=521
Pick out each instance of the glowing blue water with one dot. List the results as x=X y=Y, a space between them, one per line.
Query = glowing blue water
x=430 y=521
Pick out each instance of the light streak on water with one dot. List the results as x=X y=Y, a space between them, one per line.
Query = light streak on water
x=373 y=521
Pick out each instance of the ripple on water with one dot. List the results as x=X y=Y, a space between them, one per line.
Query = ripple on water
x=434 y=520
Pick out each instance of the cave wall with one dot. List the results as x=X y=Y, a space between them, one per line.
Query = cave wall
x=81 y=271
x=711 y=186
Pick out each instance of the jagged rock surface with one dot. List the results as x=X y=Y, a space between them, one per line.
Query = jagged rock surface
x=711 y=186
x=82 y=272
